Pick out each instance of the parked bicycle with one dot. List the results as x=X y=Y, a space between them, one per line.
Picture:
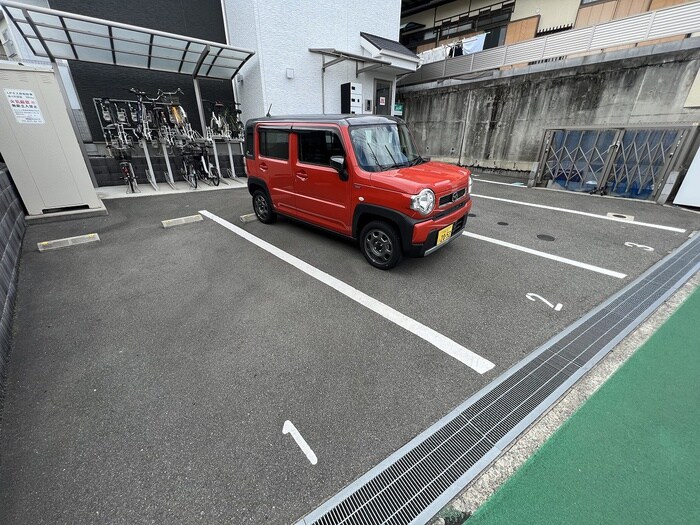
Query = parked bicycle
x=197 y=166
x=144 y=118
x=118 y=141
x=218 y=125
x=127 y=171
x=233 y=117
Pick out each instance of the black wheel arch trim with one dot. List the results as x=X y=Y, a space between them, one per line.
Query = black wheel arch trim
x=255 y=183
x=403 y=222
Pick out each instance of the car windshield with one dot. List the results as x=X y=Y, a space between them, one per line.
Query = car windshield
x=383 y=147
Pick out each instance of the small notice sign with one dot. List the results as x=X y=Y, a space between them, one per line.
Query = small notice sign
x=24 y=106
x=382 y=101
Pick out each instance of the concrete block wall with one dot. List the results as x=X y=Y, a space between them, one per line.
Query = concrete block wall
x=12 y=226
x=499 y=124
x=107 y=171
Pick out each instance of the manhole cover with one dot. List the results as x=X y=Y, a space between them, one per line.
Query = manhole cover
x=544 y=237
x=621 y=216
x=501 y=223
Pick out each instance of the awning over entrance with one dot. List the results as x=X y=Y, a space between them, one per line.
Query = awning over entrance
x=368 y=63
x=69 y=36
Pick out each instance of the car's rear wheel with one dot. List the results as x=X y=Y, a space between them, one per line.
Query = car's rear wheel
x=263 y=207
x=381 y=245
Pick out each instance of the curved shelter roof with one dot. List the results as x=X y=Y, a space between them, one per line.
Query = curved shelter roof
x=60 y=35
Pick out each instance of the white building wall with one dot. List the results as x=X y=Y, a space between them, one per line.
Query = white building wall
x=281 y=33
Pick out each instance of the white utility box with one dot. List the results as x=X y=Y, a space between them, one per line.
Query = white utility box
x=351 y=98
x=689 y=192
x=39 y=143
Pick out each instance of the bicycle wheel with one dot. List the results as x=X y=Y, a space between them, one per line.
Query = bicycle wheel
x=214 y=175
x=129 y=178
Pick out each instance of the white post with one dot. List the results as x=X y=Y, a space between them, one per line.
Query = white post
x=230 y=158
x=170 y=179
x=152 y=178
x=216 y=157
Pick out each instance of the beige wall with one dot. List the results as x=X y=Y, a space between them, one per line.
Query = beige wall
x=520 y=30
x=630 y=7
x=552 y=12
x=424 y=17
x=660 y=4
x=693 y=100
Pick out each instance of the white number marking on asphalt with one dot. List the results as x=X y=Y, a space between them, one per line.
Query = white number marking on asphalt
x=640 y=246
x=533 y=296
x=289 y=428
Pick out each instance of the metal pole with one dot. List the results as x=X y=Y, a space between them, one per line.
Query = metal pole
x=216 y=157
x=230 y=159
x=200 y=106
x=323 y=85
x=152 y=178
x=170 y=179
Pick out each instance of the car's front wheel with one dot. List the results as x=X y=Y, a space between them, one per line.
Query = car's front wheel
x=381 y=245
x=263 y=207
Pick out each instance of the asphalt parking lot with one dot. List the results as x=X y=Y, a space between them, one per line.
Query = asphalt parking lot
x=153 y=372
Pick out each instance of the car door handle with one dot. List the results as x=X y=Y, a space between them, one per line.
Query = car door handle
x=301 y=175
x=263 y=166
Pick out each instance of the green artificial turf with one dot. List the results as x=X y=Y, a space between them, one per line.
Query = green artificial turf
x=631 y=454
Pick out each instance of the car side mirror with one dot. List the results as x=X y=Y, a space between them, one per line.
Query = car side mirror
x=338 y=164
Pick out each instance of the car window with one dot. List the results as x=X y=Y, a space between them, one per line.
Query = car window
x=249 y=131
x=274 y=143
x=318 y=146
x=381 y=147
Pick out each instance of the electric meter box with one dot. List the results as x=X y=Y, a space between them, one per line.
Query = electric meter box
x=40 y=145
x=351 y=98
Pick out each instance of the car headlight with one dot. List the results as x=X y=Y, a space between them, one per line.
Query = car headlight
x=470 y=185
x=424 y=202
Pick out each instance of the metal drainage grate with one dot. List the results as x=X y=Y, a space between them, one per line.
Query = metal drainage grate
x=415 y=482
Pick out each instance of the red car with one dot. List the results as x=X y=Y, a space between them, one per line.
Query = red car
x=359 y=176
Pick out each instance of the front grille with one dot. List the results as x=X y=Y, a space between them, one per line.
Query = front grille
x=458 y=225
x=447 y=212
x=452 y=197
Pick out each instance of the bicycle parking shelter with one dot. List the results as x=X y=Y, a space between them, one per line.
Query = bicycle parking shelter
x=59 y=35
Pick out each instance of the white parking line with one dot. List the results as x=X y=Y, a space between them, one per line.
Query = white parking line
x=564 y=260
x=289 y=428
x=576 y=212
x=511 y=184
x=441 y=342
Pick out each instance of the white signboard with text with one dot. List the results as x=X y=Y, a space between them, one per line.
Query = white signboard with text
x=24 y=106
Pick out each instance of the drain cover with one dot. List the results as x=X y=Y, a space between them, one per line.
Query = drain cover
x=501 y=223
x=621 y=216
x=544 y=237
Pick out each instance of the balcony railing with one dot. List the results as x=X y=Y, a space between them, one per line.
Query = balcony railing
x=672 y=21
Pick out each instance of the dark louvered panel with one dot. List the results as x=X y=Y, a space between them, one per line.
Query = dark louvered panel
x=11 y=234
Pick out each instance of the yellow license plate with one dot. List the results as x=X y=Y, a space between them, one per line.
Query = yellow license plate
x=444 y=234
